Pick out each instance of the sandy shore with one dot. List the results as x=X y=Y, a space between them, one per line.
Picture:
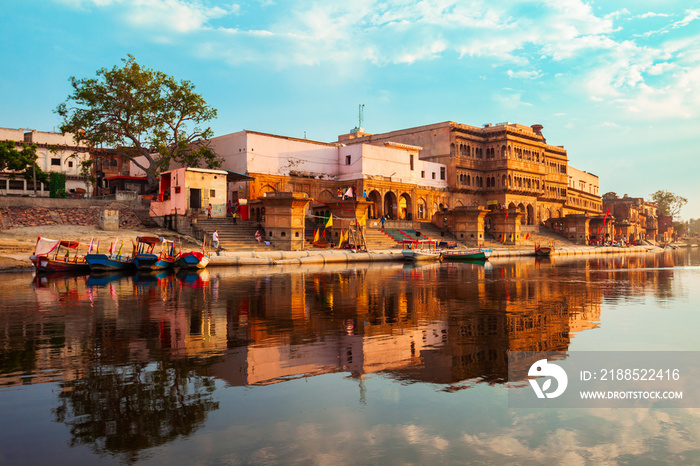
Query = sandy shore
x=17 y=244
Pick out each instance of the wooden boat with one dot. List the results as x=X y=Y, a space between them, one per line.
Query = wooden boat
x=415 y=250
x=543 y=250
x=146 y=259
x=55 y=256
x=109 y=262
x=467 y=254
x=192 y=260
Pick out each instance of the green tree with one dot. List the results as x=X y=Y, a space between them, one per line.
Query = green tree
x=20 y=161
x=146 y=115
x=668 y=203
x=610 y=195
x=694 y=226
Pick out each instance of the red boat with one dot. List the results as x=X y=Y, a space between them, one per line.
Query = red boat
x=53 y=255
x=543 y=250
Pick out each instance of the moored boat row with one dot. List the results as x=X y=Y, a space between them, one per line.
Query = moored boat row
x=64 y=256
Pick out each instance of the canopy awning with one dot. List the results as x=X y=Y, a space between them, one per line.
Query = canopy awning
x=233 y=176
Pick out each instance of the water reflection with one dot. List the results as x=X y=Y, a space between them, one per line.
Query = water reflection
x=125 y=409
x=137 y=356
x=440 y=323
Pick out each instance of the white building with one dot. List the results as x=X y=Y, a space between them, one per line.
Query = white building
x=56 y=152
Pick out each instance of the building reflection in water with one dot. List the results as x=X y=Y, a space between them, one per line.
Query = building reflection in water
x=149 y=347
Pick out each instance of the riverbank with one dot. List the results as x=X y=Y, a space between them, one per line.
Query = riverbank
x=17 y=244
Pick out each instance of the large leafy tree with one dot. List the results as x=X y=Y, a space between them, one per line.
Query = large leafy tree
x=20 y=161
x=668 y=203
x=144 y=114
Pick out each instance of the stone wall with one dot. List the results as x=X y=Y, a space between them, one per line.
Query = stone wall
x=15 y=217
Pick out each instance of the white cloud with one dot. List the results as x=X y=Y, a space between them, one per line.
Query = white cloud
x=652 y=15
x=178 y=16
x=524 y=74
x=690 y=16
x=512 y=100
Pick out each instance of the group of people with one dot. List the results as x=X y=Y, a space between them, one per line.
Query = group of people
x=351 y=193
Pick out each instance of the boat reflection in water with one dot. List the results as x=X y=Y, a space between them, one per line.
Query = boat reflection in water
x=138 y=358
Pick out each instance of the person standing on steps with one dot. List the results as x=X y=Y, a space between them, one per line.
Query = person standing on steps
x=215 y=239
x=209 y=211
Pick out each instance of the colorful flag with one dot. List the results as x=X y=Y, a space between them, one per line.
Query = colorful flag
x=316 y=235
x=329 y=223
x=506 y=214
x=340 y=239
x=363 y=219
x=527 y=236
x=324 y=233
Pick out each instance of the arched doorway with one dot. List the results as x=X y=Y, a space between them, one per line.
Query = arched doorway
x=405 y=207
x=390 y=205
x=421 y=209
x=374 y=198
x=530 y=214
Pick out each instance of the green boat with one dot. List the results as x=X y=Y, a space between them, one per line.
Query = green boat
x=467 y=255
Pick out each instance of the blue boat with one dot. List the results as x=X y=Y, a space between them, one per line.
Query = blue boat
x=146 y=259
x=115 y=260
x=107 y=262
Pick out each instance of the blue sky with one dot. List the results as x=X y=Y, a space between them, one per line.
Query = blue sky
x=616 y=83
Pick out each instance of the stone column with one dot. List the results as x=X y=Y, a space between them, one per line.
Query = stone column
x=284 y=219
x=109 y=220
x=468 y=226
x=506 y=223
x=576 y=228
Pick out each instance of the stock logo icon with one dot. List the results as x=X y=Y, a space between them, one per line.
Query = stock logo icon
x=541 y=369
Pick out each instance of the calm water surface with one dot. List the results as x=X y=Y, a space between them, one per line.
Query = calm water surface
x=369 y=364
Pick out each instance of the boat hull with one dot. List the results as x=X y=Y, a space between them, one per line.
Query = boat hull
x=414 y=255
x=544 y=251
x=192 y=260
x=104 y=262
x=153 y=262
x=467 y=255
x=50 y=265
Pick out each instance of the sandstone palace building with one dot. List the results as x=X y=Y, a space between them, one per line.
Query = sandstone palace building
x=415 y=173
x=507 y=165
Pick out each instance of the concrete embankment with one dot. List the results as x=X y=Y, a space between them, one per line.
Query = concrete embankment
x=303 y=257
x=329 y=256
x=576 y=250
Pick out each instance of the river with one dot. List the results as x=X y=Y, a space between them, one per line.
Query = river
x=376 y=363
